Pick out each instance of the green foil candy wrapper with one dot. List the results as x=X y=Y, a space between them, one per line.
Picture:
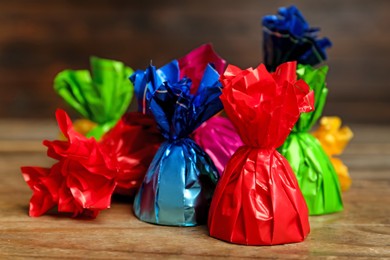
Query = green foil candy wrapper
x=101 y=96
x=315 y=173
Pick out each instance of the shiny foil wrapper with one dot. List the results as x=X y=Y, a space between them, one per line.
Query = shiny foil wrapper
x=133 y=141
x=80 y=182
x=180 y=181
x=219 y=139
x=101 y=96
x=194 y=63
x=257 y=200
x=288 y=37
x=334 y=139
x=316 y=175
x=191 y=66
x=178 y=186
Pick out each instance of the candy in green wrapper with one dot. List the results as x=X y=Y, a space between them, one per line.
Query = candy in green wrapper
x=101 y=96
x=315 y=173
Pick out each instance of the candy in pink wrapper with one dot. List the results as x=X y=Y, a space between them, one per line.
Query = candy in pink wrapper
x=219 y=138
x=195 y=62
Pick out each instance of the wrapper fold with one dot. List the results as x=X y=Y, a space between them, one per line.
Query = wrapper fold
x=257 y=200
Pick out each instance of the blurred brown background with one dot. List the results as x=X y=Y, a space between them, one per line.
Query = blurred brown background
x=40 y=38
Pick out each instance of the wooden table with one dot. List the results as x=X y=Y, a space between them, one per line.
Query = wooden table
x=361 y=230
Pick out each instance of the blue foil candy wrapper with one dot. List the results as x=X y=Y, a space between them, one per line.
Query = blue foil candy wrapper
x=288 y=37
x=151 y=79
x=181 y=179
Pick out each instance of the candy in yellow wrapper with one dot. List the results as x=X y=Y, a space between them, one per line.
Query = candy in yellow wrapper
x=333 y=139
x=342 y=173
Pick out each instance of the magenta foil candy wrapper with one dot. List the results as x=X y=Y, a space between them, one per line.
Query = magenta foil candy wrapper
x=219 y=139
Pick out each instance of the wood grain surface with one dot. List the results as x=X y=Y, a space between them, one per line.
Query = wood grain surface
x=361 y=231
x=40 y=38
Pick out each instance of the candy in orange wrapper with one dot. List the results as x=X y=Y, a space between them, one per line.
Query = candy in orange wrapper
x=333 y=139
x=342 y=173
x=83 y=126
x=257 y=200
x=80 y=183
x=219 y=139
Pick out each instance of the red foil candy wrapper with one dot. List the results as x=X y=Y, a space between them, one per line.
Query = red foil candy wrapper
x=80 y=183
x=133 y=141
x=258 y=201
x=219 y=139
x=89 y=172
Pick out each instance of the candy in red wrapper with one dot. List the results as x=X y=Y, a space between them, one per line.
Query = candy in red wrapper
x=219 y=139
x=257 y=200
x=133 y=142
x=87 y=172
x=81 y=182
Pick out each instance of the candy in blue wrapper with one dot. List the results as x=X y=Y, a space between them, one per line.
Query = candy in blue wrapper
x=181 y=179
x=288 y=37
x=192 y=65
